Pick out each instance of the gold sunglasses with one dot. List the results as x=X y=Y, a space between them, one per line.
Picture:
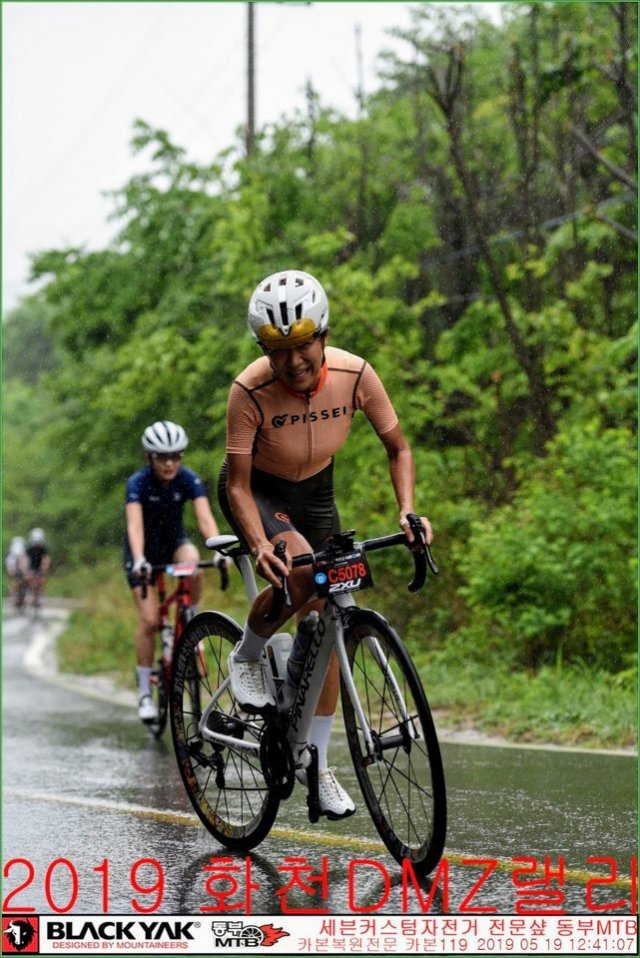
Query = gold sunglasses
x=300 y=332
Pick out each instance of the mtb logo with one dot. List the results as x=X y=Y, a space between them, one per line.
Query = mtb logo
x=21 y=935
x=235 y=934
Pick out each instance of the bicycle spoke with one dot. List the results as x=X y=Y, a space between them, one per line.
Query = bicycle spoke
x=401 y=774
x=232 y=798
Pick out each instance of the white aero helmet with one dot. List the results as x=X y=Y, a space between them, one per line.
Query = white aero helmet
x=36 y=537
x=164 y=436
x=288 y=309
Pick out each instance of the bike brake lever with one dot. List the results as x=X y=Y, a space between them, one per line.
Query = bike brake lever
x=280 y=595
x=432 y=565
x=420 y=558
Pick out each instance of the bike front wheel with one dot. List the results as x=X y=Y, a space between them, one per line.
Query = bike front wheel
x=400 y=768
x=222 y=775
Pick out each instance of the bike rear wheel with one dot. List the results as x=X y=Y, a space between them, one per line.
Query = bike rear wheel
x=224 y=780
x=400 y=776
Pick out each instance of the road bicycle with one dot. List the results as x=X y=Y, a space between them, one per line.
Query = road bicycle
x=169 y=635
x=237 y=767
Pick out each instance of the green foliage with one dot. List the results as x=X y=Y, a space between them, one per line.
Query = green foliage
x=474 y=250
x=553 y=573
x=27 y=348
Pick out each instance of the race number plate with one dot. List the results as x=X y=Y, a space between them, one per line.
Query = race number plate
x=347 y=572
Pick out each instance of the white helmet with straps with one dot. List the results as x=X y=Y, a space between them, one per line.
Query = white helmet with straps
x=288 y=309
x=36 y=537
x=164 y=436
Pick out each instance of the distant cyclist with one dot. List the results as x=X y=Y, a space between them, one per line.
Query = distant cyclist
x=15 y=562
x=38 y=564
x=155 y=500
x=288 y=414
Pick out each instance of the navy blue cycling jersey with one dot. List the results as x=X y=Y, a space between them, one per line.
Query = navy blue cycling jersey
x=35 y=555
x=162 y=507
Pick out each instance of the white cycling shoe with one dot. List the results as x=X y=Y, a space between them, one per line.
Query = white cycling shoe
x=147 y=711
x=248 y=683
x=335 y=803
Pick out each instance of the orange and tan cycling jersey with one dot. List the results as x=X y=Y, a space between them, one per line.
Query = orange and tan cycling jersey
x=294 y=435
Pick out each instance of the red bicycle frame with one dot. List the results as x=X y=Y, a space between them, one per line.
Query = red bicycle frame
x=181 y=595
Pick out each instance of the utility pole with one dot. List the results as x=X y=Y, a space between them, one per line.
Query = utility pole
x=250 y=134
x=251 y=79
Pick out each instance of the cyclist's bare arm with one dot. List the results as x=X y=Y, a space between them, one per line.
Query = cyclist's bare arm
x=248 y=518
x=135 y=529
x=403 y=478
x=204 y=517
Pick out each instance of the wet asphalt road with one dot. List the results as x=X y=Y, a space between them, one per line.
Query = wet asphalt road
x=84 y=782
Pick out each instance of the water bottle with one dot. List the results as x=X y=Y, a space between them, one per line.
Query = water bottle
x=167 y=641
x=304 y=634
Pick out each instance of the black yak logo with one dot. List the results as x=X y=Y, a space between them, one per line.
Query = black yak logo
x=19 y=932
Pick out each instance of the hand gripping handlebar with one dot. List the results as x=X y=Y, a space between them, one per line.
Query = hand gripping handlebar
x=143 y=580
x=421 y=558
x=281 y=595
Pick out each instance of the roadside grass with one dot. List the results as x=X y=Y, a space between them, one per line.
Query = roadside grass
x=568 y=705
x=565 y=705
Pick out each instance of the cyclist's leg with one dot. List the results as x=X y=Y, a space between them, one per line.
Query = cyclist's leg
x=145 y=634
x=303 y=514
x=299 y=582
x=147 y=628
x=15 y=590
x=33 y=582
x=272 y=497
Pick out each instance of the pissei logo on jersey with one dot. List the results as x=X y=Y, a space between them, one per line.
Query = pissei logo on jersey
x=320 y=415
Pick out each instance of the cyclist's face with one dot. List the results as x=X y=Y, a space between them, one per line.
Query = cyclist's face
x=166 y=466
x=299 y=368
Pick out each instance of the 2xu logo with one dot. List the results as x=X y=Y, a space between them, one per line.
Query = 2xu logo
x=20 y=936
x=235 y=934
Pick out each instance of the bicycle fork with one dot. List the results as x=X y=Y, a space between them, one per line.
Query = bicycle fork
x=374 y=744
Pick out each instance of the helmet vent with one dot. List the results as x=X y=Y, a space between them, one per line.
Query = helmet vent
x=283 y=314
x=271 y=316
x=298 y=310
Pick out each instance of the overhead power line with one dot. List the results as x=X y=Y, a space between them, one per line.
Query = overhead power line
x=549 y=224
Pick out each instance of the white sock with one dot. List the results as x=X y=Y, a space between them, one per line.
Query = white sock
x=319 y=735
x=251 y=646
x=144 y=679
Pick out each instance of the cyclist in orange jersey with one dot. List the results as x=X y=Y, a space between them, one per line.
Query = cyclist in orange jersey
x=288 y=414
